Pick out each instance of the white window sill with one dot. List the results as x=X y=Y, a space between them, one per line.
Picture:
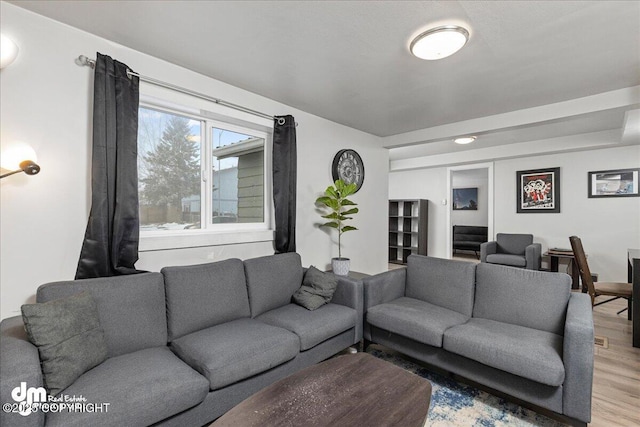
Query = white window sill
x=200 y=238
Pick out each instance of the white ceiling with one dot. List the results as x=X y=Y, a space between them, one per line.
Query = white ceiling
x=349 y=61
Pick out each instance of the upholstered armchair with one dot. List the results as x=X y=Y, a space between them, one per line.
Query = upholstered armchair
x=515 y=250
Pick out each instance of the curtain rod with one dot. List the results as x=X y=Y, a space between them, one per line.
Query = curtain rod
x=83 y=60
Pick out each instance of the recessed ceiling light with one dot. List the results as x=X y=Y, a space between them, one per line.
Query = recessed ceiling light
x=439 y=42
x=465 y=140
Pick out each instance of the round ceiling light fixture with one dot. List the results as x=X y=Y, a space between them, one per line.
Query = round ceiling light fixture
x=439 y=42
x=465 y=140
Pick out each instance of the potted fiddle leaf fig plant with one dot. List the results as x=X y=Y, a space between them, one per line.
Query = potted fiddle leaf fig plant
x=340 y=208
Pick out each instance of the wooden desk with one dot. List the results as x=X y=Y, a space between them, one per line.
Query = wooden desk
x=351 y=390
x=575 y=272
x=633 y=275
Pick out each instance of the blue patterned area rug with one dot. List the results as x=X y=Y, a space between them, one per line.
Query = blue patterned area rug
x=456 y=404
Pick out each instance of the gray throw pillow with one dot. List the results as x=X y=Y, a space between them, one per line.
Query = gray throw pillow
x=69 y=338
x=317 y=289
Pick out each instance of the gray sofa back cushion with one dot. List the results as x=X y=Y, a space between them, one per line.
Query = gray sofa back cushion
x=131 y=308
x=272 y=280
x=535 y=299
x=513 y=244
x=205 y=295
x=443 y=282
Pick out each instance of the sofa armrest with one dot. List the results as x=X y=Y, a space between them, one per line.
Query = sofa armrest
x=384 y=287
x=487 y=248
x=19 y=362
x=349 y=293
x=533 y=256
x=578 y=358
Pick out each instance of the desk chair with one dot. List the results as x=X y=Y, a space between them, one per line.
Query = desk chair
x=616 y=290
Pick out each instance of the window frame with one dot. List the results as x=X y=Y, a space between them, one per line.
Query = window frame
x=210 y=234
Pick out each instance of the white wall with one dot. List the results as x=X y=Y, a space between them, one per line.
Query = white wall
x=430 y=184
x=46 y=101
x=471 y=178
x=607 y=227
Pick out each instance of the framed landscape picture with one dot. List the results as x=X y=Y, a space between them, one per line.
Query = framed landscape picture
x=538 y=191
x=614 y=183
x=465 y=199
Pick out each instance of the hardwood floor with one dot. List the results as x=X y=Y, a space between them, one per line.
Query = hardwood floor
x=616 y=377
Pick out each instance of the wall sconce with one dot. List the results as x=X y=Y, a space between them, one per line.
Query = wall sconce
x=8 y=51
x=19 y=158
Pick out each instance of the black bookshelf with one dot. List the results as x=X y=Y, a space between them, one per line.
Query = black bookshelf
x=408 y=223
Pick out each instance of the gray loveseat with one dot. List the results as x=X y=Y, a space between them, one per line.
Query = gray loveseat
x=518 y=331
x=186 y=345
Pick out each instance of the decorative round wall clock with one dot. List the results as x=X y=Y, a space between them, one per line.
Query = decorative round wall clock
x=347 y=166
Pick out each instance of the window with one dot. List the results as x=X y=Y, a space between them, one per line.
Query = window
x=197 y=173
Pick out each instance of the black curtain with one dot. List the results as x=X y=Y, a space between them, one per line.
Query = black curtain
x=284 y=182
x=110 y=246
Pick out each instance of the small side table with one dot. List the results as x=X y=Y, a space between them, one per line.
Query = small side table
x=355 y=275
x=554 y=259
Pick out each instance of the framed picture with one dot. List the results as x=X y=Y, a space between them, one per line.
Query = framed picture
x=538 y=191
x=614 y=183
x=465 y=199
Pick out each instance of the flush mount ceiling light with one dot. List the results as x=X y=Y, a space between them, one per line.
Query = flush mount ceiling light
x=439 y=42
x=465 y=140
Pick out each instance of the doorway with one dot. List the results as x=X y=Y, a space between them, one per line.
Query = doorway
x=473 y=203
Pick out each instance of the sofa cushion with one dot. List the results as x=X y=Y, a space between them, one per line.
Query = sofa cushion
x=200 y=296
x=466 y=235
x=312 y=327
x=529 y=353
x=141 y=388
x=506 y=259
x=534 y=299
x=69 y=338
x=317 y=289
x=272 y=280
x=131 y=308
x=467 y=245
x=233 y=351
x=513 y=244
x=442 y=282
x=415 y=319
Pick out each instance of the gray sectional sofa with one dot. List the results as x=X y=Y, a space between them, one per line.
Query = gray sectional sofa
x=189 y=343
x=520 y=332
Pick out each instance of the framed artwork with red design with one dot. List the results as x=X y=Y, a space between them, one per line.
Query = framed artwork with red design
x=538 y=191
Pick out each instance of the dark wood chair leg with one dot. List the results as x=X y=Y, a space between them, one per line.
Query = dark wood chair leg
x=629 y=304
x=365 y=343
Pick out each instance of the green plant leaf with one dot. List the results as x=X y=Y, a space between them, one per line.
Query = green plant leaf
x=330 y=191
x=332 y=215
x=349 y=189
x=347 y=202
x=350 y=211
x=330 y=224
x=343 y=218
x=333 y=204
x=325 y=200
x=339 y=185
x=347 y=228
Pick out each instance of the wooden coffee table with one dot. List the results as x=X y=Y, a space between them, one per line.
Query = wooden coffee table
x=350 y=390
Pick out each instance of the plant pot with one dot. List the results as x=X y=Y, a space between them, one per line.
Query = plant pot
x=340 y=266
